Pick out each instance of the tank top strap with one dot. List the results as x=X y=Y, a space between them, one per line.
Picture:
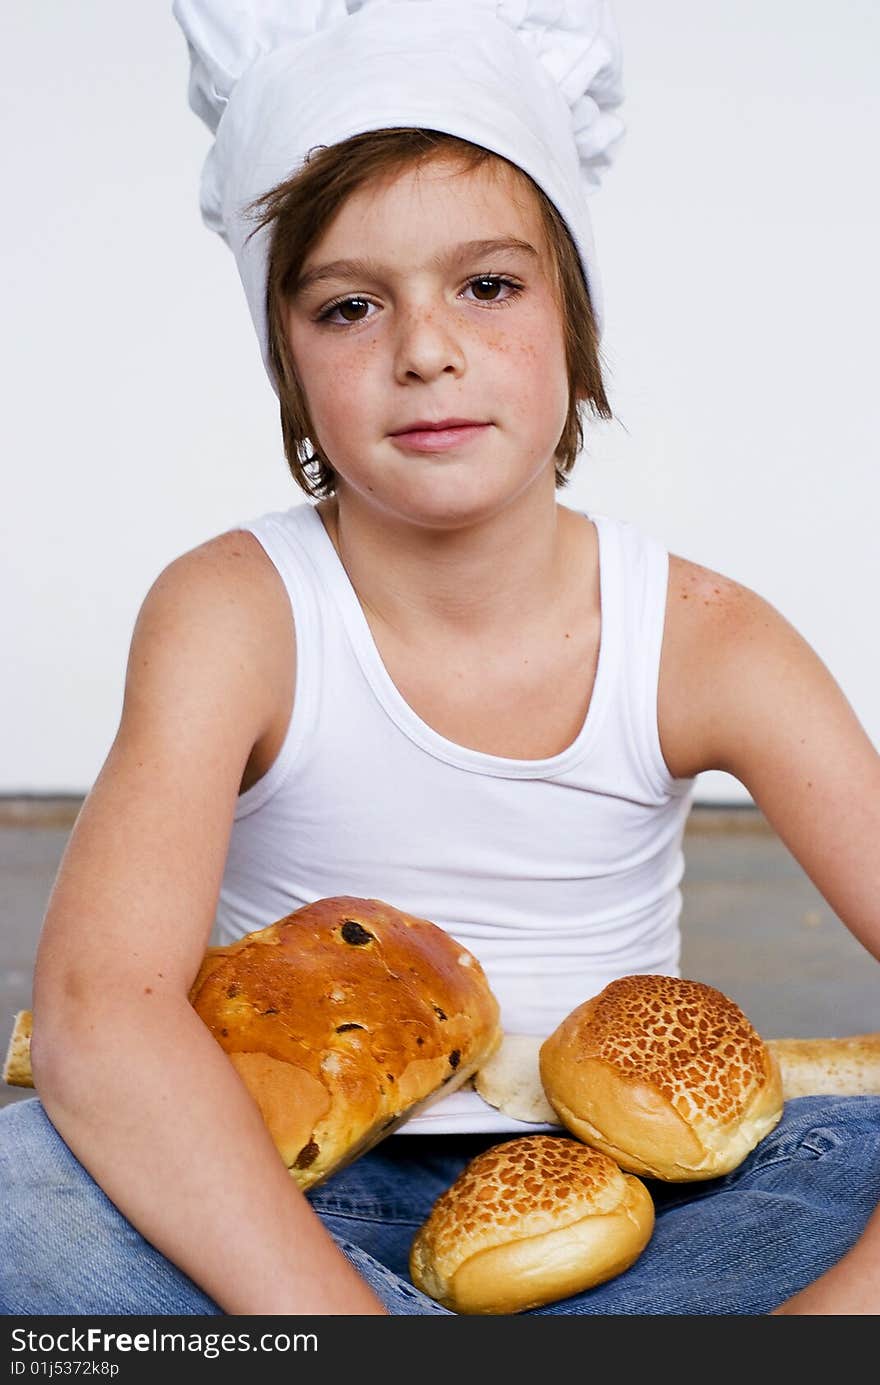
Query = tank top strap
x=643 y=564
x=283 y=535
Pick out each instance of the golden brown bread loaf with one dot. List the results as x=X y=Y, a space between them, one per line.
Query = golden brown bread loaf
x=342 y=1020
x=665 y=1075
x=527 y=1222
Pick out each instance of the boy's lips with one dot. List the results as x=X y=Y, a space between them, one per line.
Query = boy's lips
x=422 y=437
x=422 y=425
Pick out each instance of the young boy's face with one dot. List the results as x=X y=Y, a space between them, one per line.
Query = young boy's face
x=423 y=333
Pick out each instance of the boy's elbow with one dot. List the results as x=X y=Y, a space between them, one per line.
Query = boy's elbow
x=60 y=1033
x=44 y=1062
x=81 y=1025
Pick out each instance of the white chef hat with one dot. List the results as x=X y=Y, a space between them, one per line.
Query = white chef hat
x=536 y=81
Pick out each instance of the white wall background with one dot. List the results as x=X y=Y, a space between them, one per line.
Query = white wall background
x=738 y=238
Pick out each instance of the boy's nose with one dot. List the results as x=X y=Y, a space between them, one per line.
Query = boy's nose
x=427 y=345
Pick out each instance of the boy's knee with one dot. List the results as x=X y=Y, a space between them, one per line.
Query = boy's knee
x=65 y=1248
x=840 y=1117
x=842 y=1129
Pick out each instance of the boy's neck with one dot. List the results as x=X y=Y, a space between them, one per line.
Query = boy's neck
x=478 y=583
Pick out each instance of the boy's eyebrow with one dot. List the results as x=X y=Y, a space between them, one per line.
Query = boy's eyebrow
x=361 y=268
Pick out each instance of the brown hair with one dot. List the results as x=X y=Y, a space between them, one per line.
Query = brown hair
x=299 y=209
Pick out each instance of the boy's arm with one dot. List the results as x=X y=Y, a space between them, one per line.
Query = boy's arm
x=762 y=706
x=130 y=1076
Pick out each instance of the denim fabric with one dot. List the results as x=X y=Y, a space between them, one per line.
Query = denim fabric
x=739 y=1244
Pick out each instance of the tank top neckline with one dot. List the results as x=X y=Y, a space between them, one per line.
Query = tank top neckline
x=396 y=707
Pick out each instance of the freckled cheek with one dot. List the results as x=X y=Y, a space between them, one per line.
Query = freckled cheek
x=531 y=372
x=345 y=378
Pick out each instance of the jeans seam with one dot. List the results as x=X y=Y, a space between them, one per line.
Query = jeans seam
x=805 y=1149
x=376 y=1218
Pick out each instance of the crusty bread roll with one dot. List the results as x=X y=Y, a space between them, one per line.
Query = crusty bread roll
x=528 y=1222
x=342 y=1019
x=666 y=1075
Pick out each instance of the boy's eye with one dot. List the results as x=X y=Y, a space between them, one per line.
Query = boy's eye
x=482 y=283
x=493 y=282
x=343 y=304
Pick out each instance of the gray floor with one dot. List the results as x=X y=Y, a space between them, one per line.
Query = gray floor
x=753 y=925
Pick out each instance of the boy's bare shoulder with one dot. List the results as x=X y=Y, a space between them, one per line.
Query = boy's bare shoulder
x=233 y=557
x=222 y=597
x=230 y=577
x=695 y=590
x=711 y=620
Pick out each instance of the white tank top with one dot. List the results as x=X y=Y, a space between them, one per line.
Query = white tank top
x=560 y=874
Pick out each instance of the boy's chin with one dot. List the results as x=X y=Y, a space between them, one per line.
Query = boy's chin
x=448 y=513
x=459 y=498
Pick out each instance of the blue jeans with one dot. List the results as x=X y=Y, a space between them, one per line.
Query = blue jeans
x=739 y=1244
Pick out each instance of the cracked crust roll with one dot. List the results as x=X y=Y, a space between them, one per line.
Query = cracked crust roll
x=665 y=1075
x=342 y=1020
x=528 y=1222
